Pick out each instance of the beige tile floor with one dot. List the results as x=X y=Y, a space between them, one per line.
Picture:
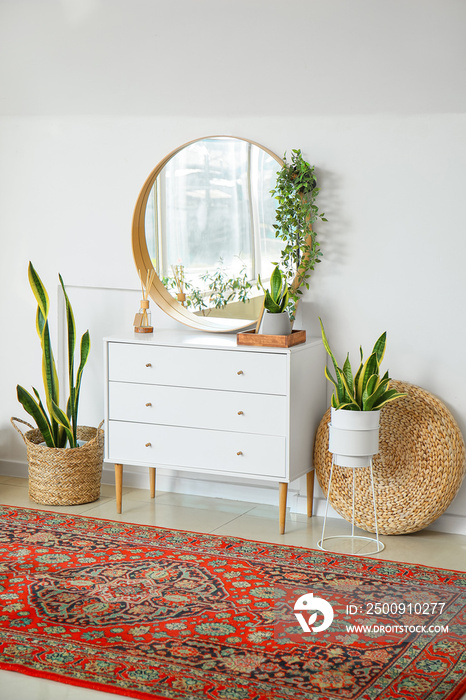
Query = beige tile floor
x=222 y=517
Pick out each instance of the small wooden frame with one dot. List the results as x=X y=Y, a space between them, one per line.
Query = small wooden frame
x=274 y=341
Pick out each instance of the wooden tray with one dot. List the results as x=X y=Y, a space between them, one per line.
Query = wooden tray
x=273 y=341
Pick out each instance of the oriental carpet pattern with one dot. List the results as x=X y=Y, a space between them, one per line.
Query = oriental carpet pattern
x=154 y=613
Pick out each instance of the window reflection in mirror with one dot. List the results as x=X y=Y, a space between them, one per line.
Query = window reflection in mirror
x=209 y=218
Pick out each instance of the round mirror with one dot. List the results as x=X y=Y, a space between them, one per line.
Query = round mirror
x=204 y=221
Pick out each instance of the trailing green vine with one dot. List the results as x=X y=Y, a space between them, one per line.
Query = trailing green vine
x=296 y=191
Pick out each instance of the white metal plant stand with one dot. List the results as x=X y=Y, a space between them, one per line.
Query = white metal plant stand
x=353 y=441
x=355 y=539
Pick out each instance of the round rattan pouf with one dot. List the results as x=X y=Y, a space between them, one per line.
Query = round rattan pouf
x=417 y=472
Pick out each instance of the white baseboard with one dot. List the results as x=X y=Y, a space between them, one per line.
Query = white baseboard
x=318 y=507
x=251 y=491
x=231 y=489
x=453 y=524
x=11 y=468
x=448 y=522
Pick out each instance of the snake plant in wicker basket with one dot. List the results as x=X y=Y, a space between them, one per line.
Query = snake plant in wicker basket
x=365 y=391
x=55 y=425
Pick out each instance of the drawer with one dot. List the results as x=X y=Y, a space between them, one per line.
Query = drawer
x=262 y=372
x=217 y=451
x=198 y=408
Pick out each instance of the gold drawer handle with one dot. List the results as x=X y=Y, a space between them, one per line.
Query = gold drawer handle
x=241 y=413
x=149 y=364
x=148 y=444
x=239 y=453
x=240 y=372
x=148 y=404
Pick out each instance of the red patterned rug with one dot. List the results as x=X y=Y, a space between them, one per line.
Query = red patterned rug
x=154 y=613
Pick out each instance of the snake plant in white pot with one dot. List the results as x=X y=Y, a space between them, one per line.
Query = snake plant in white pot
x=355 y=405
x=275 y=319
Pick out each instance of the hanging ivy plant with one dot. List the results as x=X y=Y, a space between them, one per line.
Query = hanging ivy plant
x=296 y=191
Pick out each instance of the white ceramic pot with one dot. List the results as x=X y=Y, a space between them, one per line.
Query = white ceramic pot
x=79 y=443
x=353 y=437
x=275 y=324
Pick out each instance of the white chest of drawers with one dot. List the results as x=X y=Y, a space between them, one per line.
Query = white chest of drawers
x=199 y=402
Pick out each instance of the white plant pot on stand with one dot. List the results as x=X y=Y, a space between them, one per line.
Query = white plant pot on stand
x=353 y=441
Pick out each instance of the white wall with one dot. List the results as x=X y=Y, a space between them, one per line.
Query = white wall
x=95 y=92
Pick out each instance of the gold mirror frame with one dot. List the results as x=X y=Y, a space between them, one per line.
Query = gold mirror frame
x=157 y=292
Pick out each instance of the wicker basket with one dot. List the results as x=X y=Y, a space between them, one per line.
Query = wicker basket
x=417 y=472
x=64 y=476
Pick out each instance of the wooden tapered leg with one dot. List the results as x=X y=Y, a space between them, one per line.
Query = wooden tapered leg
x=152 y=481
x=310 y=492
x=282 y=494
x=118 y=485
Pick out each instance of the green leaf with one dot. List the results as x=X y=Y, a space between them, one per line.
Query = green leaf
x=276 y=284
x=359 y=370
x=349 y=407
x=348 y=374
x=284 y=302
x=379 y=347
x=349 y=398
x=63 y=420
x=372 y=384
x=339 y=396
x=380 y=389
x=40 y=322
x=388 y=396
x=270 y=304
x=31 y=406
x=71 y=326
x=39 y=290
x=85 y=349
x=327 y=347
x=41 y=406
x=370 y=367
x=50 y=376
x=369 y=389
